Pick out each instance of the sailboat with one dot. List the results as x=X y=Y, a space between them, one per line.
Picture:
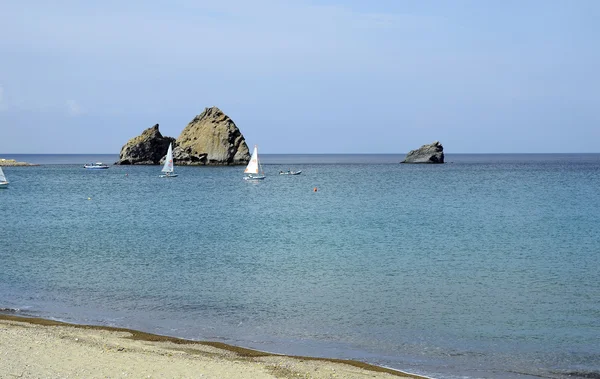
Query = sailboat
x=3 y=181
x=252 y=170
x=168 y=167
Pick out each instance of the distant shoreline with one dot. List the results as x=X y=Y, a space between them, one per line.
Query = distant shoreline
x=15 y=163
x=289 y=160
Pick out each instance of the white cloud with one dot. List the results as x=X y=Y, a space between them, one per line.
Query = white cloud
x=74 y=109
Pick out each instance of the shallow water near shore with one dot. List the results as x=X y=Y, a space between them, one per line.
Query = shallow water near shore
x=485 y=267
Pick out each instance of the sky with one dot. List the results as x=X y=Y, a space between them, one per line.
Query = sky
x=303 y=76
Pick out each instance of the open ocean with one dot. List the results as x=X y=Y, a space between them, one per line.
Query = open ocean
x=485 y=267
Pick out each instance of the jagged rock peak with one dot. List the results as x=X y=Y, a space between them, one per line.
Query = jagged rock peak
x=213 y=113
x=211 y=138
x=148 y=148
x=432 y=153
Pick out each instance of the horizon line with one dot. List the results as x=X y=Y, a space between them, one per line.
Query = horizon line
x=590 y=152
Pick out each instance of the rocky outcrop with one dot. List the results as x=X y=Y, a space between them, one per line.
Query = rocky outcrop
x=211 y=138
x=145 y=149
x=433 y=153
x=14 y=163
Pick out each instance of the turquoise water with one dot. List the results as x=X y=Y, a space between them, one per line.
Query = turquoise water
x=485 y=267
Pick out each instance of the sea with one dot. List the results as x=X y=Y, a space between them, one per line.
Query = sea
x=487 y=266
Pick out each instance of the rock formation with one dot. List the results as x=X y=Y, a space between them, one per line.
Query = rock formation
x=433 y=153
x=145 y=149
x=211 y=138
x=12 y=162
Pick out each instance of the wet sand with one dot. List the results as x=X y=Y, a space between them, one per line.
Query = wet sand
x=39 y=348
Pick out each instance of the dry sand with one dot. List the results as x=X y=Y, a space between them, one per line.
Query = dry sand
x=38 y=348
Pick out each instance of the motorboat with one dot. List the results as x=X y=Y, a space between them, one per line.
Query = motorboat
x=95 y=166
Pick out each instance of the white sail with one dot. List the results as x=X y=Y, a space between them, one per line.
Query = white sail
x=252 y=167
x=168 y=167
x=2 y=177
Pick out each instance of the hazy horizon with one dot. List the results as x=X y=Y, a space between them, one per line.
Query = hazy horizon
x=269 y=154
x=303 y=77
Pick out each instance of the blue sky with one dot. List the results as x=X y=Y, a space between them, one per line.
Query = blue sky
x=303 y=76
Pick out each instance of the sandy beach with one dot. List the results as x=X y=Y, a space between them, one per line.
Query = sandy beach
x=38 y=348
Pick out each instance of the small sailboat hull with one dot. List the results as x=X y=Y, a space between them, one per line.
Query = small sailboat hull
x=3 y=184
x=167 y=176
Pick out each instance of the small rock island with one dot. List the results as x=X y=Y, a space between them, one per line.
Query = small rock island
x=145 y=149
x=211 y=138
x=14 y=163
x=432 y=153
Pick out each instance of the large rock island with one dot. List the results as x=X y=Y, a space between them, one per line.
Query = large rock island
x=432 y=153
x=211 y=138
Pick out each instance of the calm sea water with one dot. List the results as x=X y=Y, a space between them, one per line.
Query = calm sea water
x=484 y=267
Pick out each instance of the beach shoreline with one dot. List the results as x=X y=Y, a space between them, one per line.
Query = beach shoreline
x=36 y=347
